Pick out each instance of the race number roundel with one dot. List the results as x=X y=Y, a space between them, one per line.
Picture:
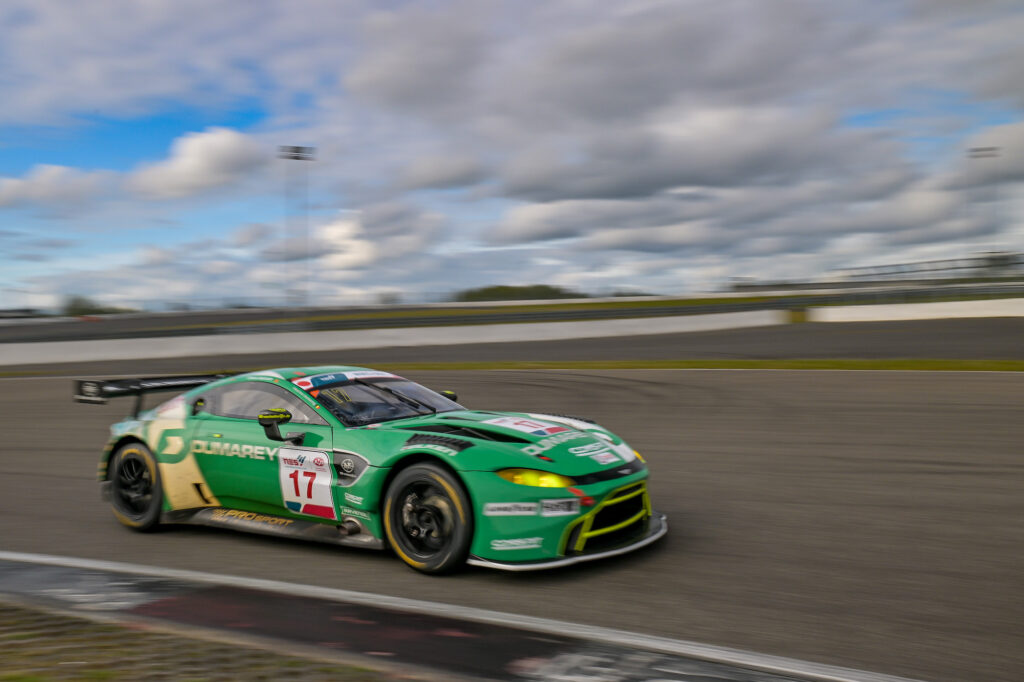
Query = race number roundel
x=306 y=483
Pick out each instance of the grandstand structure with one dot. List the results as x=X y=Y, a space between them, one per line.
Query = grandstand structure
x=993 y=265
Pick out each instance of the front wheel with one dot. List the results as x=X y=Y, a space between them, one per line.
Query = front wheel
x=427 y=518
x=135 y=491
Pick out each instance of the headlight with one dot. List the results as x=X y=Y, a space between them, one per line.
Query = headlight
x=537 y=479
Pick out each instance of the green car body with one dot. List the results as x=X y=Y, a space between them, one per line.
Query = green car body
x=319 y=453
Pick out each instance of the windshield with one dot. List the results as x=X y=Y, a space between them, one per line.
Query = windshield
x=358 y=402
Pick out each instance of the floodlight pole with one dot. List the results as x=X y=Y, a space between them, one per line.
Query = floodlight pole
x=294 y=153
x=987 y=153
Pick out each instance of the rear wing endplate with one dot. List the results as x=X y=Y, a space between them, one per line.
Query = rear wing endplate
x=100 y=391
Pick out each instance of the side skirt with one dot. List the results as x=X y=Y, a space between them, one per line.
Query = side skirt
x=267 y=524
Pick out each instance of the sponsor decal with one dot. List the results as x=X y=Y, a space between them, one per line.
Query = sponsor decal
x=546 y=444
x=536 y=428
x=353 y=499
x=435 y=447
x=589 y=449
x=356 y=513
x=605 y=457
x=318 y=380
x=598 y=452
x=90 y=388
x=563 y=507
x=510 y=509
x=173 y=445
x=568 y=421
x=370 y=374
x=623 y=451
x=250 y=517
x=306 y=483
x=348 y=466
x=516 y=543
x=262 y=452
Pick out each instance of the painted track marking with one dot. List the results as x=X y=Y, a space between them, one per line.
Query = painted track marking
x=748 y=659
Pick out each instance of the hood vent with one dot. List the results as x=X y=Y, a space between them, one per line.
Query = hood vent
x=476 y=415
x=427 y=439
x=468 y=432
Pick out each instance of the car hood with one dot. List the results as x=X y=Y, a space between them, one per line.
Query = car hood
x=562 y=444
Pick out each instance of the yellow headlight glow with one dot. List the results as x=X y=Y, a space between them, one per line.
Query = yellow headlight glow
x=536 y=479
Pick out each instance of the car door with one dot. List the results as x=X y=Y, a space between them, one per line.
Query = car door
x=247 y=470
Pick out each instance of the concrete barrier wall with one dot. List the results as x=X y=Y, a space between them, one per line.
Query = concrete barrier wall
x=1003 y=307
x=230 y=344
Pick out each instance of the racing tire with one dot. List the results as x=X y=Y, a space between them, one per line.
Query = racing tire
x=428 y=519
x=136 y=493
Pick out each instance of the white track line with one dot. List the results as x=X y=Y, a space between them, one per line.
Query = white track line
x=737 y=657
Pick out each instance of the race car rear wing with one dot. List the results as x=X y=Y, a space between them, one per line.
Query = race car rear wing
x=100 y=391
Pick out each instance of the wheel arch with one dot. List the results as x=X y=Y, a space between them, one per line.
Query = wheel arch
x=113 y=447
x=421 y=457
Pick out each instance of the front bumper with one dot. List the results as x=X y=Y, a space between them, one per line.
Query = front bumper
x=657 y=527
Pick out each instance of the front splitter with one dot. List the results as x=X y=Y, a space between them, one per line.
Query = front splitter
x=658 y=528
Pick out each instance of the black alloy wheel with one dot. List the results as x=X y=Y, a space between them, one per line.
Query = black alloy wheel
x=135 y=491
x=428 y=519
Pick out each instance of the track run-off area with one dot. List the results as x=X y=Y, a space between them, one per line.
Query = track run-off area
x=872 y=520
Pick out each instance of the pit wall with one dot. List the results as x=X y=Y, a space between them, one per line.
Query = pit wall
x=1002 y=307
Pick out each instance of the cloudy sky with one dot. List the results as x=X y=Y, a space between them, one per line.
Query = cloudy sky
x=663 y=146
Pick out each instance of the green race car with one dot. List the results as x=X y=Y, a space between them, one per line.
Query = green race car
x=364 y=458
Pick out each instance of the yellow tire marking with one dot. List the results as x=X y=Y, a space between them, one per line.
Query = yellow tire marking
x=452 y=494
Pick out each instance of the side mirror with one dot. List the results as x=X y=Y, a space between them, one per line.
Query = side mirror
x=271 y=421
x=450 y=395
x=198 y=406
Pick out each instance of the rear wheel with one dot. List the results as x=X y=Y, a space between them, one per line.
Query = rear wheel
x=427 y=518
x=135 y=491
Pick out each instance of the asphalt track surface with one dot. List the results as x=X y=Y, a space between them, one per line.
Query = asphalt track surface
x=872 y=520
x=970 y=339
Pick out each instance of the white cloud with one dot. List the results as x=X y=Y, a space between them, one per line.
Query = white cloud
x=420 y=58
x=53 y=185
x=199 y=162
x=250 y=234
x=348 y=249
x=443 y=171
x=155 y=255
x=724 y=136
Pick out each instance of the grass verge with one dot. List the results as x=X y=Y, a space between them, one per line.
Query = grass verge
x=43 y=645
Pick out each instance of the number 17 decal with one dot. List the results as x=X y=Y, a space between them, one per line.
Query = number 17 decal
x=306 y=480
x=311 y=475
